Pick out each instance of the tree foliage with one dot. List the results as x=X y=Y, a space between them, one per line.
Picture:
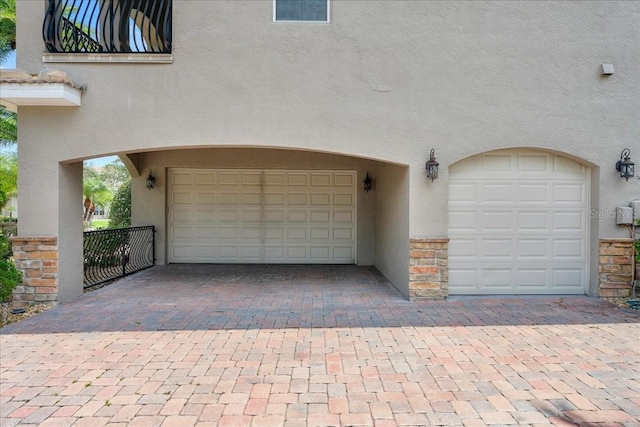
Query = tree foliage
x=114 y=174
x=10 y=276
x=120 y=216
x=3 y=199
x=100 y=184
x=8 y=122
x=95 y=192
x=8 y=128
x=7 y=28
x=8 y=177
x=94 y=188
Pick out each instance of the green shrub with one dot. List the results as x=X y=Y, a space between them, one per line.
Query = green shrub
x=5 y=248
x=10 y=277
x=3 y=199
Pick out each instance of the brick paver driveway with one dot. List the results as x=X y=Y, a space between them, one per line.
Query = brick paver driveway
x=270 y=346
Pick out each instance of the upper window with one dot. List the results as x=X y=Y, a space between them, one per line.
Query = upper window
x=301 y=10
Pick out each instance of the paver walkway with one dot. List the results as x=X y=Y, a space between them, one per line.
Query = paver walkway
x=326 y=346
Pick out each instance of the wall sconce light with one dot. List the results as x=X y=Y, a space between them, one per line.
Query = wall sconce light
x=625 y=166
x=432 y=166
x=151 y=181
x=367 y=183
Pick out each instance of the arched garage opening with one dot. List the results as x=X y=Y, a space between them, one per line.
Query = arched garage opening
x=247 y=205
x=373 y=232
x=518 y=224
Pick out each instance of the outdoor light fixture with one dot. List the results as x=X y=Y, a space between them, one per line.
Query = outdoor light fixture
x=151 y=181
x=367 y=183
x=432 y=166
x=625 y=166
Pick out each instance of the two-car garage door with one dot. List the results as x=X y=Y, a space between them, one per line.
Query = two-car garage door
x=262 y=216
x=518 y=224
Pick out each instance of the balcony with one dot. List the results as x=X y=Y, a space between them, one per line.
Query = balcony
x=130 y=27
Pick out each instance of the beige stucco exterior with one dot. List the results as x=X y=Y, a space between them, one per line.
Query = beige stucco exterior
x=373 y=90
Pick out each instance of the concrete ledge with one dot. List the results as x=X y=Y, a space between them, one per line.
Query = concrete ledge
x=433 y=240
x=30 y=239
x=132 y=58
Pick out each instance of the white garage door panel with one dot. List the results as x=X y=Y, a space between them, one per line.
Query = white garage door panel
x=249 y=216
x=518 y=224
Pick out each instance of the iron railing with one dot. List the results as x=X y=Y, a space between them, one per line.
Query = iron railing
x=77 y=40
x=108 y=26
x=110 y=254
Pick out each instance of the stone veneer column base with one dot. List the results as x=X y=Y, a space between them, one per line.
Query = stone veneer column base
x=429 y=269
x=37 y=258
x=614 y=267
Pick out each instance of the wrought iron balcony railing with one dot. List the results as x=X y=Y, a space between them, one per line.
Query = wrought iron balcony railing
x=108 y=26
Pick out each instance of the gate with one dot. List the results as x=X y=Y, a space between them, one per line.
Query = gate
x=111 y=254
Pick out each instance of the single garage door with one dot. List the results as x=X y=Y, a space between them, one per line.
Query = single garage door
x=518 y=224
x=262 y=216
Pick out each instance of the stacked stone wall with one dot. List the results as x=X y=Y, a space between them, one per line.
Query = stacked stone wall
x=37 y=258
x=429 y=269
x=614 y=266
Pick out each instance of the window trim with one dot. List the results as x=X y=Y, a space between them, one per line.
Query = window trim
x=289 y=21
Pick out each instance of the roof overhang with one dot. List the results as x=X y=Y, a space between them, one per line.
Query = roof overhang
x=14 y=95
x=18 y=89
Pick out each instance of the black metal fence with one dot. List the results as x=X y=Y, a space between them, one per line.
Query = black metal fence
x=108 y=26
x=110 y=254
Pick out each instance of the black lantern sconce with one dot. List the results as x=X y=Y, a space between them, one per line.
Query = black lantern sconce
x=151 y=181
x=367 y=183
x=625 y=166
x=432 y=166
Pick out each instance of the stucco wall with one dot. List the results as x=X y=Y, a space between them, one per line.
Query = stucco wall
x=462 y=77
x=391 y=187
x=149 y=205
x=51 y=203
x=385 y=80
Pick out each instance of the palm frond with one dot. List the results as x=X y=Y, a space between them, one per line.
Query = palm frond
x=8 y=128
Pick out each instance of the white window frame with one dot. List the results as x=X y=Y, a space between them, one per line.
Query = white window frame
x=303 y=21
